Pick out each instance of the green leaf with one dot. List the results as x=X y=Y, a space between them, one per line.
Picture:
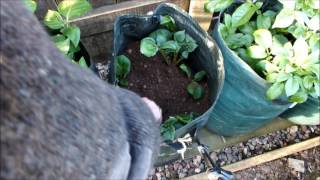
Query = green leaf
x=148 y=47
x=292 y=86
x=263 y=22
x=170 y=46
x=82 y=62
x=216 y=5
x=123 y=66
x=299 y=97
x=179 y=36
x=185 y=54
x=124 y=82
x=308 y=82
x=62 y=43
x=282 y=76
x=243 y=14
x=242 y=53
x=185 y=69
x=228 y=20
x=168 y=22
x=53 y=20
x=167 y=132
x=195 y=90
x=278 y=42
x=275 y=91
x=73 y=33
x=247 y=28
x=301 y=49
x=272 y=77
x=199 y=75
x=256 y=52
x=313 y=24
x=263 y=38
x=161 y=36
x=284 y=19
x=30 y=4
x=270 y=14
x=74 y=8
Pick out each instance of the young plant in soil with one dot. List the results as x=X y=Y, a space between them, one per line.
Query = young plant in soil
x=123 y=66
x=282 y=47
x=64 y=35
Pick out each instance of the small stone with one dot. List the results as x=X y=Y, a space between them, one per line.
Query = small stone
x=293 y=129
x=245 y=151
x=145 y=66
x=197 y=170
x=214 y=156
x=297 y=165
x=144 y=86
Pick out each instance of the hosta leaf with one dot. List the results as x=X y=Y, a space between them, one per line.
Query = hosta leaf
x=299 y=97
x=123 y=66
x=73 y=33
x=216 y=5
x=275 y=91
x=148 y=47
x=199 y=75
x=243 y=14
x=185 y=69
x=30 y=4
x=256 y=52
x=292 y=86
x=284 y=19
x=74 y=8
x=263 y=38
x=53 y=20
x=82 y=62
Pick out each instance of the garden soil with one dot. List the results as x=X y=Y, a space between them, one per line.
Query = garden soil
x=162 y=83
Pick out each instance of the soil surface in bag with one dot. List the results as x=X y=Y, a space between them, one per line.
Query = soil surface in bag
x=165 y=84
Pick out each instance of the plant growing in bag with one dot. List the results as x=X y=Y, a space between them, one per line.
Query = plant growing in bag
x=157 y=72
x=64 y=35
x=281 y=46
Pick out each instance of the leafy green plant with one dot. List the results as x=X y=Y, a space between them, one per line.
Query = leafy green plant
x=30 y=4
x=167 y=41
x=282 y=47
x=168 y=128
x=194 y=88
x=123 y=66
x=67 y=36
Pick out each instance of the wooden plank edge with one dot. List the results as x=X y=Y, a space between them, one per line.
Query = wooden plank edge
x=266 y=157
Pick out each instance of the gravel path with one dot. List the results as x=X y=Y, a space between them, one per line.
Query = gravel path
x=231 y=154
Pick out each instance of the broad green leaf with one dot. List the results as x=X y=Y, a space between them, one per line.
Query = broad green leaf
x=185 y=54
x=124 y=82
x=148 y=47
x=263 y=22
x=216 y=5
x=278 y=42
x=53 y=20
x=308 y=82
x=179 y=36
x=168 y=22
x=275 y=91
x=272 y=77
x=256 y=52
x=242 y=53
x=298 y=30
x=199 y=75
x=314 y=22
x=263 y=38
x=270 y=14
x=299 y=97
x=300 y=48
x=62 y=43
x=123 y=66
x=289 y=68
x=247 y=28
x=314 y=42
x=282 y=76
x=170 y=46
x=82 y=62
x=73 y=33
x=284 y=19
x=228 y=20
x=292 y=86
x=167 y=132
x=316 y=86
x=30 y=4
x=301 y=17
x=74 y=8
x=185 y=69
x=243 y=14
x=161 y=36
x=195 y=90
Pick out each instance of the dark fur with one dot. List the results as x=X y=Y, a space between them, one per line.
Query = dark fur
x=58 y=120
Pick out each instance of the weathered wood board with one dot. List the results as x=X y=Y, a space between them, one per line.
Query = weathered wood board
x=196 y=10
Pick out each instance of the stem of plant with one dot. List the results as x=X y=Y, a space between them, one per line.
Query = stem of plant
x=179 y=60
x=175 y=58
x=164 y=56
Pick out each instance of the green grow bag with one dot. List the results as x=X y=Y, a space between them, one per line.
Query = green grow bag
x=307 y=113
x=242 y=106
x=128 y=28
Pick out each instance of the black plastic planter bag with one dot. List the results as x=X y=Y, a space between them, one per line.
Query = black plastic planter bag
x=128 y=28
x=242 y=106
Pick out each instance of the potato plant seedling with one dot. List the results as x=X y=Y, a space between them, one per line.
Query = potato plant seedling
x=123 y=66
